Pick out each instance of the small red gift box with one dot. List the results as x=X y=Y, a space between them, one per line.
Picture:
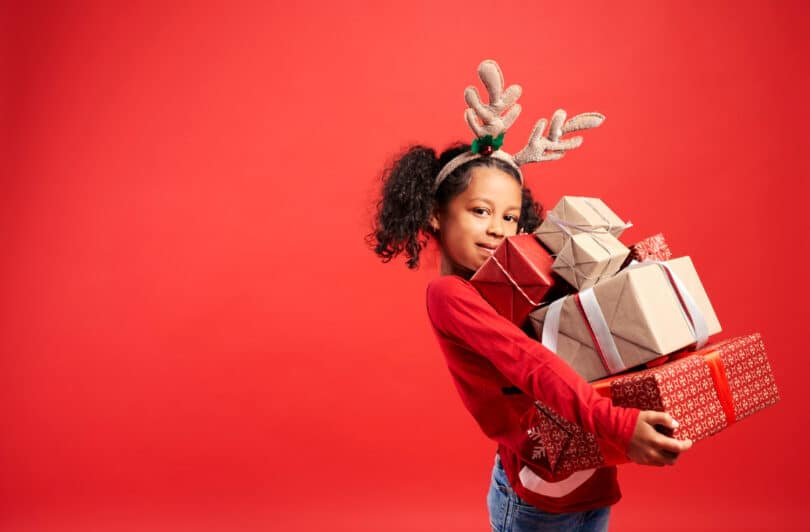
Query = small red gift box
x=704 y=391
x=515 y=277
x=560 y=447
x=651 y=248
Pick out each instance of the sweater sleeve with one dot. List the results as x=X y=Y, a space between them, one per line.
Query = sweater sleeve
x=462 y=316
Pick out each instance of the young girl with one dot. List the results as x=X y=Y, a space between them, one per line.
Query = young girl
x=470 y=200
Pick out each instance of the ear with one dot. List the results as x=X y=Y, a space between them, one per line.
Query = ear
x=434 y=221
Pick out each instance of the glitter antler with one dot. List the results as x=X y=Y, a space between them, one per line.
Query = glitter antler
x=493 y=121
x=551 y=148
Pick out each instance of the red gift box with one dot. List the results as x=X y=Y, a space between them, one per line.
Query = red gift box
x=515 y=277
x=705 y=391
x=559 y=447
x=651 y=248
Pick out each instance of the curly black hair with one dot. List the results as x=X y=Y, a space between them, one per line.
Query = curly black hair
x=407 y=200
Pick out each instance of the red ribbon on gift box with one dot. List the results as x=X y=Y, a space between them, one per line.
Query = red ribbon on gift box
x=721 y=385
x=718 y=372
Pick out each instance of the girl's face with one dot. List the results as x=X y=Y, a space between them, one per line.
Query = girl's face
x=477 y=220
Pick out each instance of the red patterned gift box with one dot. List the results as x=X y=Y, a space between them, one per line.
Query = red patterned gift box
x=515 y=277
x=559 y=447
x=704 y=391
x=651 y=248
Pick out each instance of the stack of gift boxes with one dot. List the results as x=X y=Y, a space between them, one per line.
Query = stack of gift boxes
x=633 y=321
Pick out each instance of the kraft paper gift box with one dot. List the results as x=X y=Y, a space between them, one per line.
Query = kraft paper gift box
x=575 y=214
x=515 y=277
x=645 y=311
x=705 y=391
x=586 y=258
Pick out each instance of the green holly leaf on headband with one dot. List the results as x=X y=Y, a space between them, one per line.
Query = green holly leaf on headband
x=487 y=140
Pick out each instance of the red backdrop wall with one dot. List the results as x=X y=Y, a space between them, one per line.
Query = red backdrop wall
x=194 y=334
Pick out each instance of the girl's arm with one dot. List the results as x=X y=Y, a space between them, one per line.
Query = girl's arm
x=462 y=316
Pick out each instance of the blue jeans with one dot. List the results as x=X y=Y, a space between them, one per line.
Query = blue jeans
x=510 y=513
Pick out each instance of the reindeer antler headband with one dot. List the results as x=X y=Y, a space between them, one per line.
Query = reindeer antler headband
x=499 y=115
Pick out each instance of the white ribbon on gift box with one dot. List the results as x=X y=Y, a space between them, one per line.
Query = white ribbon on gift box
x=612 y=361
x=551 y=325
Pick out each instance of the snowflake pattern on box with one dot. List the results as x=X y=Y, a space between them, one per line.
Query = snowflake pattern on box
x=560 y=445
x=749 y=374
x=686 y=390
x=683 y=388
x=651 y=248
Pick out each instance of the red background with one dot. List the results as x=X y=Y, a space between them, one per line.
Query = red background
x=194 y=335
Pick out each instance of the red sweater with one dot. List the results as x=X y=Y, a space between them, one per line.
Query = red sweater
x=499 y=372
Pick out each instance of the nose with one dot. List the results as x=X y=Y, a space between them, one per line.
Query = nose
x=495 y=227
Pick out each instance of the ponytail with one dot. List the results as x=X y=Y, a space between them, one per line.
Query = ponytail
x=403 y=212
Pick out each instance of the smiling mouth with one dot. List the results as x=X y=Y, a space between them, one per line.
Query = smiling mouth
x=487 y=247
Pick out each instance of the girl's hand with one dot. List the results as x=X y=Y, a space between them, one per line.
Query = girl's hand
x=650 y=447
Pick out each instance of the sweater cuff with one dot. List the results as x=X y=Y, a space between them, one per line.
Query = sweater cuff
x=628 y=428
x=614 y=449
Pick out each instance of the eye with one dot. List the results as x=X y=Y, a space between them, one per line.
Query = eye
x=511 y=218
x=481 y=211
